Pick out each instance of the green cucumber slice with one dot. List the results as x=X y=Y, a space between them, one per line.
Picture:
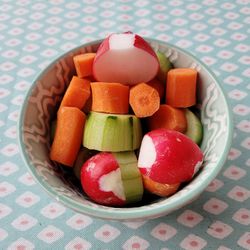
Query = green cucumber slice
x=131 y=176
x=113 y=133
x=137 y=132
x=92 y=140
x=194 y=127
x=165 y=66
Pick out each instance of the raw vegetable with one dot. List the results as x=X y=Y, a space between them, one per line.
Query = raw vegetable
x=77 y=93
x=131 y=176
x=159 y=189
x=169 y=118
x=126 y=75
x=165 y=66
x=169 y=157
x=144 y=100
x=159 y=86
x=125 y=58
x=112 y=179
x=101 y=180
x=84 y=64
x=194 y=127
x=110 y=97
x=181 y=87
x=68 y=135
x=110 y=132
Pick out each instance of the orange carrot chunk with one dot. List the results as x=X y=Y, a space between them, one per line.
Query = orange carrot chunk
x=159 y=189
x=68 y=135
x=144 y=100
x=181 y=87
x=110 y=97
x=169 y=118
x=77 y=93
x=159 y=86
x=83 y=64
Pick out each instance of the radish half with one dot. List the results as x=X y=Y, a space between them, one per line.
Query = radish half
x=125 y=58
x=169 y=157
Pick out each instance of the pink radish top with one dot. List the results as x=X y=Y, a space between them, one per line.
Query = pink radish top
x=125 y=58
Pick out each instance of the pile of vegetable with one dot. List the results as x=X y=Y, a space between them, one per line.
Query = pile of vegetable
x=99 y=131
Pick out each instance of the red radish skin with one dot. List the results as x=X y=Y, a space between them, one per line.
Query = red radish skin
x=169 y=157
x=125 y=58
x=96 y=173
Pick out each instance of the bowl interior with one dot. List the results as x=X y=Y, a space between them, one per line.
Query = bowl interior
x=40 y=108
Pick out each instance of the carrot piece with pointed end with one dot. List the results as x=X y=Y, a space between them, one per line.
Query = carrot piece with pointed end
x=159 y=86
x=181 y=87
x=68 y=135
x=169 y=118
x=77 y=93
x=110 y=97
x=84 y=64
x=144 y=100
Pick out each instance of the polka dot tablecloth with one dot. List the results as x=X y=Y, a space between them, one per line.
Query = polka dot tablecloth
x=33 y=33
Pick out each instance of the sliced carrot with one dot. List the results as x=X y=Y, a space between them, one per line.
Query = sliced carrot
x=68 y=135
x=110 y=97
x=159 y=86
x=77 y=93
x=144 y=100
x=181 y=87
x=84 y=64
x=169 y=118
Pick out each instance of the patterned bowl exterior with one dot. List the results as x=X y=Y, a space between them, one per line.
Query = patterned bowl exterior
x=40 y=107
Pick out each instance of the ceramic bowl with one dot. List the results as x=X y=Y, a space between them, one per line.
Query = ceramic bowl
x=39 y=109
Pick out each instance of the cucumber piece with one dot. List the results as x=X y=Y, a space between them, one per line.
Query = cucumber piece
x=113 y=133
x=131 y=176
x=137 y=132
x=165 y=66
x=91 y=137
x=194 y=127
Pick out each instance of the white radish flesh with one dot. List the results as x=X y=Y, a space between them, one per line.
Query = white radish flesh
x=147 y=155
x=125 y=58
x=113 y=182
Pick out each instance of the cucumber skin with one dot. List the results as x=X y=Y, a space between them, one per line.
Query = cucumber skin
x=194 y=127
x=113 y=133
x=165 y=66
x=131 y=176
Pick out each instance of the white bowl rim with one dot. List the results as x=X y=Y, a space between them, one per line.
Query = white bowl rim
x=145 y=211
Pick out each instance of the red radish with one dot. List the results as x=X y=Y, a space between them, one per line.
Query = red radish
x=101 y=180
x=169 y=157
x=125 y=58
x=112 y=178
